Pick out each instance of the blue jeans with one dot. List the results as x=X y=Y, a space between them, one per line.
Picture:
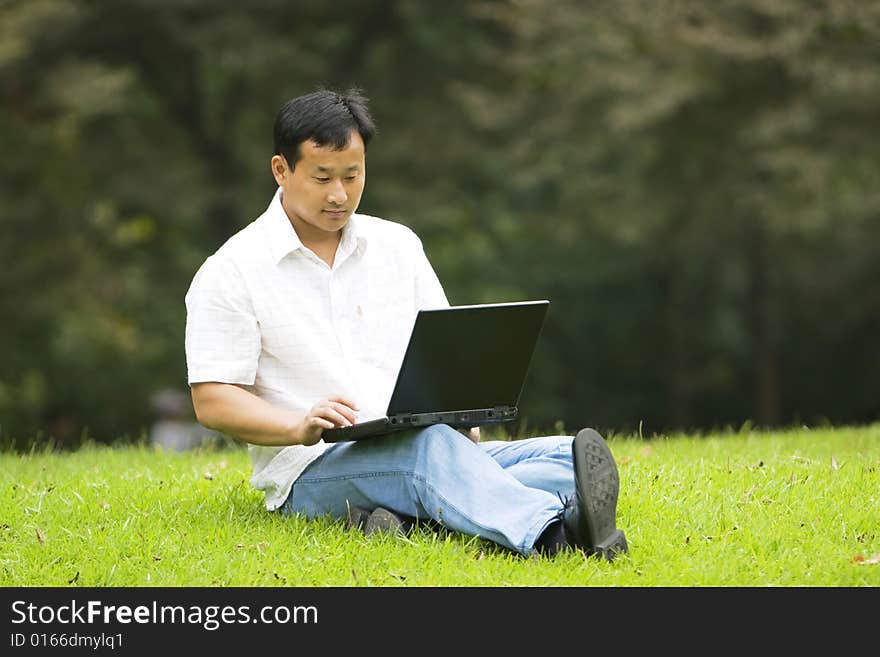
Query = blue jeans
x=504 y=491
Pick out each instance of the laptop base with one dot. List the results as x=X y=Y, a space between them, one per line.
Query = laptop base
x=406 y=421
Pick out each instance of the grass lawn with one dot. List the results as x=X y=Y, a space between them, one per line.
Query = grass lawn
x=781 y=509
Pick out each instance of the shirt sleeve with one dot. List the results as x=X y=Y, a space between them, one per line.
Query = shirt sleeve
x=222 y=334
x=429 y=291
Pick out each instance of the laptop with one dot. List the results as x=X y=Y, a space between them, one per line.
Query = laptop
x=464 y=366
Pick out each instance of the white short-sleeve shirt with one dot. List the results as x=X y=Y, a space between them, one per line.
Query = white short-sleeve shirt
x=266 y=313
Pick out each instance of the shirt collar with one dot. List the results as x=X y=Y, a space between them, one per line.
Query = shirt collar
x=283 y=239
x=354 y=239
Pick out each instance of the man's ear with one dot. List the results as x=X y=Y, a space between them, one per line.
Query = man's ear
x=279 y=168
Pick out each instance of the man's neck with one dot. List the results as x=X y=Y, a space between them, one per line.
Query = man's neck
x=325 y=251
x=320 y=242
x=323 y=245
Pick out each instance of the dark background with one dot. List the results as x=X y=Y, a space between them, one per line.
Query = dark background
x=694 y=185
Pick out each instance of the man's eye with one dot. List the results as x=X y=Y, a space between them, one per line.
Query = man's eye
x=351 y=178
x=322 y=180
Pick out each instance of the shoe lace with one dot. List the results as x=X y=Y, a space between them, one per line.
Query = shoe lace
x=567 y=502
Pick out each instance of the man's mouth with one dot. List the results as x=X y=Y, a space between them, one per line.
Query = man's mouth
x=335 y=213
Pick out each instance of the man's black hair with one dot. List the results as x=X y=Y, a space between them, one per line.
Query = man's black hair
x=325 y=117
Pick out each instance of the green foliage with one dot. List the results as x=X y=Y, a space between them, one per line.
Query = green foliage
x=687 y=186
x=693 y=185
x=797 y=508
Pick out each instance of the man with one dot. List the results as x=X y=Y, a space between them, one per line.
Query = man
x=298 y=324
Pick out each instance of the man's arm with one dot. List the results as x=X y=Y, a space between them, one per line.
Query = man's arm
x=233 y=410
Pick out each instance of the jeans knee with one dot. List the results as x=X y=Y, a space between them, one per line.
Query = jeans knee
x=439 y=447
x=438 y=436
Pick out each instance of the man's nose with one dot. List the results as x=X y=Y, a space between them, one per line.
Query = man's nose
x=336 y=195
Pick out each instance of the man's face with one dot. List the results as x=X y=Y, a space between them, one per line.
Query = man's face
x=324 y=188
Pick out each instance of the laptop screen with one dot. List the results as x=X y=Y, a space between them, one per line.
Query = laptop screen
x=468 y=357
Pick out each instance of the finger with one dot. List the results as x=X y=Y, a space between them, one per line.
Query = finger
x=321 y=422
x=331 y=414
x=344 y=400
x=345 y=411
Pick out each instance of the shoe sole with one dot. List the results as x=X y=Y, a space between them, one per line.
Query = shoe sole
x=598 y=483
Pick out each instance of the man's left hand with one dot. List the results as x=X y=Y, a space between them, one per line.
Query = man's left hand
x=473 y=433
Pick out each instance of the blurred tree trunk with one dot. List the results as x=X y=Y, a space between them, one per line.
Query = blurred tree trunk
x=676 y=317
x=760 y=322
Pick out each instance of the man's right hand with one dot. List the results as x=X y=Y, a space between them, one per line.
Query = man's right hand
x=232 y=410
x=327 y=414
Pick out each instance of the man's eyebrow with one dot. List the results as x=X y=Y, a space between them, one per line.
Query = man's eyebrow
x=321 y=169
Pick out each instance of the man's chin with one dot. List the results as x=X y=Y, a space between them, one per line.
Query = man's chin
x=332 y=225
x=334 y=219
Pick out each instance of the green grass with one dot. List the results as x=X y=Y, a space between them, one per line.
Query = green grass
x=794 y=508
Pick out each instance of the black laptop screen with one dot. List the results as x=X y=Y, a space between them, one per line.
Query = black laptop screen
x=468 y=357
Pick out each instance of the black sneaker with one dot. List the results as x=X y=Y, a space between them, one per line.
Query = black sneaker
x=356 y=518
x=589 y=517
x=383 y=520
